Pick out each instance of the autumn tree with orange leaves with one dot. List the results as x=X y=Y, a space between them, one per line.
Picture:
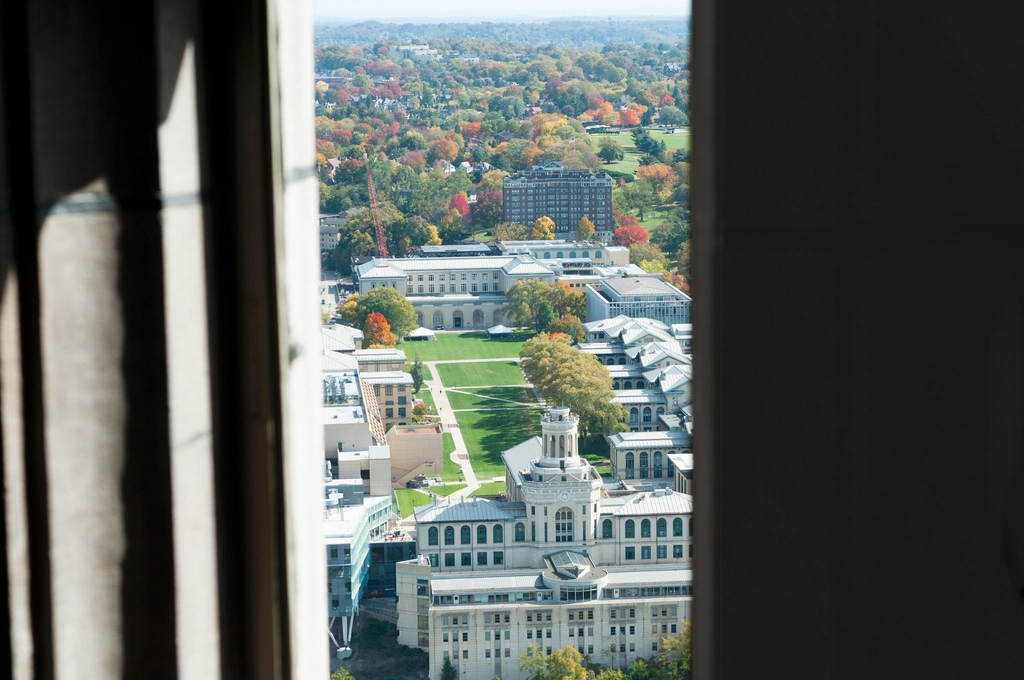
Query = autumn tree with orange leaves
x=377 y=330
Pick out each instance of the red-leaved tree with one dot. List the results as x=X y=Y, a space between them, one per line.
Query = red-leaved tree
x=459 y=203
x=627 y=236
x=377 y=330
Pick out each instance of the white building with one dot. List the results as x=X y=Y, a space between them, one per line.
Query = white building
x=638 y=297
x=561 y=562
x=467 y=290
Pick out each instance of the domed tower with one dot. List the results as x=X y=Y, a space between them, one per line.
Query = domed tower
x=559 y=431
x=562 y=491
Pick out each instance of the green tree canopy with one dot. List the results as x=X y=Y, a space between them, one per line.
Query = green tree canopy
x=391 y=304
x=567 y=377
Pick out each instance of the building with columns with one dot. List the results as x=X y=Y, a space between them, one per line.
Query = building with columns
x=563 y=561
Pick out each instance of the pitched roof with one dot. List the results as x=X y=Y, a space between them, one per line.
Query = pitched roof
x=639 y=397
x=525 y=264
x=672 y=377
x=658 y=502
x=519 y=457
x=649 y=440
x=467 y=510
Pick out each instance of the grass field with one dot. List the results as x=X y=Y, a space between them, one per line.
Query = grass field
x=474 y=345
x=489 y=489
x=490 y=397
x=631 y=162
x=447 y=489
x=480 y=374
x=408 y=499
x=427 y=398
x=427 y=374
x=488 y=433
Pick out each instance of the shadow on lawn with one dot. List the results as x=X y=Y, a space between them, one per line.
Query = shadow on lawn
x=504 y=429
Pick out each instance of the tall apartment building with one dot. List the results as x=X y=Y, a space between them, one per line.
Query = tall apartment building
x=549 y=190
x=564 y=561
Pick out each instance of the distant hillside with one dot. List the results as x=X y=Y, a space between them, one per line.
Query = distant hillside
x=578 y=33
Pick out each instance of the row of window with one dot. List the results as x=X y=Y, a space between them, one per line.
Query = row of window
x=462 y=288
x=645 y=552
x=498 y=534
x=462 y=276
x=498 y=558
x=390 y=412
x=645 y=528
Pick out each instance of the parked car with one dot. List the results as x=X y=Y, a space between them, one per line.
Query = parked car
x=373 y=593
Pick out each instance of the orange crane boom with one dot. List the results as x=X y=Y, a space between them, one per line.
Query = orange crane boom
x=382 y=249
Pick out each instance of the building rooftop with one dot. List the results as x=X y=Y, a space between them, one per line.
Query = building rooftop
x=649 y=440
x=344 y=415
x=672 y=377
x=640 y=397
x=333 y=361
x=398 y=267
x=384 y=354
x=660 y=502
x=468 y=510
x=682 y=461
x=518 y=458
x=644 y=286
x=341 y=530
x=504 y=581
x=387 y=378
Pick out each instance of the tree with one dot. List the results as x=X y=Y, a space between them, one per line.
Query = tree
x=565 y=300
x=610 y=150
x=416 y=371
x=585 y=229
x=377 y=330
x=638 y=252
x=627 y=236
x=659 y=177
x=569 y=325
x=390 y=304
x=488 y=210
x=561 y=664
x=341 y=674
x=544 y=315
x=448 y=671
x=543 y=229
x=683 y=258
x=492 y=180
x=568 y=377
x=638 y=670
x=670 y=115
x=675 y=657
x=459 y=203
x=432 y=238
x=442 y=150
x=679 y=281
x=610 y=674
x=451 y=226
x=510 y=232
x=418 y=411
x=523 y=299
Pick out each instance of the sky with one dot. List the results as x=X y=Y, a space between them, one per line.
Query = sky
x=514 y=10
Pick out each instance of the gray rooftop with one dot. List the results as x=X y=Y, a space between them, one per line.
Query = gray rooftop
x=468 y=510
x=649 y=440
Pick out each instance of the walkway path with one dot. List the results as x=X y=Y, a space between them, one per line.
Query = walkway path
x=448 y=422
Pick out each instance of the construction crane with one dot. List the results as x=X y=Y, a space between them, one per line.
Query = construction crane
x=382 y=249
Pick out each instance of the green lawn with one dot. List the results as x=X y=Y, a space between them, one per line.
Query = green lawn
x=452 y=471
x=489 y=489
x=408 y=499
x=447 y=489
x=480 y=374
x=595 y=450
x=489 y=398
x=427 y=374
x=488 y=433
x=631 y=162
x=473 y=345
x=427 y=398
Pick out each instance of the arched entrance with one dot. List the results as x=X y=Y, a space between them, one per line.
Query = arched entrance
x=499 y=318
x=438 y=320
x=478 y=318
x=457 y=319
x=419 y=318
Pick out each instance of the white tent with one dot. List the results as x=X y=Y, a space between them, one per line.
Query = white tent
x=422 y=333
x=499 y=330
